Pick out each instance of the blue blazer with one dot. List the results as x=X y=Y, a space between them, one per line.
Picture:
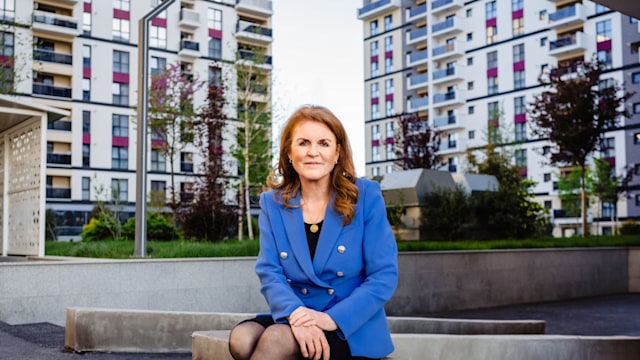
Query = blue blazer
x=353 y=273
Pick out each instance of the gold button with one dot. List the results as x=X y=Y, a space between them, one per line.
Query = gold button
x=283 y=255
x=304 y=291
x=341 y=249
x=340 y=274
x=330 y=291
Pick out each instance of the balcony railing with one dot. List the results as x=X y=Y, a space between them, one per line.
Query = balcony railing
x=418 y=79
x=55 y=19
x=444 y=121
x=563 y=13
x=443 y=49
x=444 y=73
x=417 y=56
x=251 y=56
x=418 y=33
x=189 y=18
x=440 y=3
x=50 y=90
x=189 y=45
x=418 y=10
x=438 y=98
x=63 y=159
x=58 y=193
x=51 y=56
x=59 y=125
x=419 y=102
x=448 y=23
x=372 y=6
x=246 y=26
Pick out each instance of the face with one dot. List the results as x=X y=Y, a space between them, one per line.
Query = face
x=314 y=151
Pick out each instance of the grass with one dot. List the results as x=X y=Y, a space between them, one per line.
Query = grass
x=189 y=249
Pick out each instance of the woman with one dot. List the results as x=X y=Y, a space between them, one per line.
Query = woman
x=328 y=258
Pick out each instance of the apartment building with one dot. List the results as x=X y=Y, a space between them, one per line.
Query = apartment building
x=469 y=67
x=82 y=56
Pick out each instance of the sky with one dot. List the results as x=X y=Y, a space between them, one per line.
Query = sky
x=318 y=59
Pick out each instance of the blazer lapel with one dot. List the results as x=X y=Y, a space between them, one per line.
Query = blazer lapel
x=331 y=229
x=294 y=227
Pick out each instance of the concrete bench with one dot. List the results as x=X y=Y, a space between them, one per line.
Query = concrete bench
x=208 y=345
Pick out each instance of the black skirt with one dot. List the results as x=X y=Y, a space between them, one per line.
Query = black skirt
x=339 y=348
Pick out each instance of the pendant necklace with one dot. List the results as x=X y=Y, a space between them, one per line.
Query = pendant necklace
x=314 y=224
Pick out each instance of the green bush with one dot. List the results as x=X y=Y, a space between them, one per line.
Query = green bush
x=158 y=228
x=630 y=227
x=95 y=230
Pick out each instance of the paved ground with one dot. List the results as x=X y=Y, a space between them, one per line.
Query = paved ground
x=606 y=315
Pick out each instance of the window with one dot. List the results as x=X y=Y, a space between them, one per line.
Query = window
x=119 y=189
x=470 y=61
x=375 y=111
x=517 y=5
x=374 y=69
x=86 y=188
x=158 y=37
x=635 y=77
x=636 y=108
x=601 y=8
x=375 y=171
x=492 y=34
x=215 y=48
x=452 y=164
x=492 y=60
x=375 y=92
x=609 y=148
x=603 y=30
x=388 y=22
x=119 y=157
x=86 y=122
x=469 y=13
x=518 y=79
x=121 y=5
x=389 y=130
x=493 y=111
x=86 y=155
x=490 y=10
x=521 y=157
x=388 y=87
x=520 y=131
x=375 y=132
x=470 y=85
x=518 y=53
x=544 y=69
x=517 y=26
x=120 y=93
x=390 y=109
x=86 y=23
x=7 y=10
x=604 y=56
x=388 y=64
x=546 y=177
x=373 y=47
x=548 y=204
x=6 y=44
x=543 y=41
x=215 y=76
x=186 y=162
x=388 y=44
x=492 y=85
x=375 y=153
x=120 y=30
x=391 y=152
x=636 y=138
x=542 y=14
x=519 y=105
x=86 y=56
x=158 y=162
x=471 y=134
x=608 y=210
x=638 y=200
x=120 y=62
x=120 y=125
x=157 y=65
x=471 y=110
x=214 y=19
x=373 y=28
x=86 y=89
x=158 y=193
x=469 y=36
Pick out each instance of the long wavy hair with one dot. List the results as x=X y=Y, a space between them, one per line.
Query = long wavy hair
x=283 y=176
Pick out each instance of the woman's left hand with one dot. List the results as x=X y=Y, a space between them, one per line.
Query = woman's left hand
x=304 y=316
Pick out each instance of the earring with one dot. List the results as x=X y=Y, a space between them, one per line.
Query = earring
x=290 y=161
x=336 y=162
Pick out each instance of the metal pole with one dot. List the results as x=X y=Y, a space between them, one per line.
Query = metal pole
x=143 y=106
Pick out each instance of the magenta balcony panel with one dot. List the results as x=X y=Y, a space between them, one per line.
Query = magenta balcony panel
x=121 y=78
x=493 y=72
x=518 y=66
x=86 y=138
x=215 y=33
x=604 y=45
x=517 y=14
x=121 y=14
x=119 y=141
x=520 y=118
x=160 y=22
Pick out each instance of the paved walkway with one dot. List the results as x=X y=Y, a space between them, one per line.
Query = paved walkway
x=605 y=316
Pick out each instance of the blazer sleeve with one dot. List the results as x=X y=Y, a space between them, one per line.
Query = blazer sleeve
x=380 y=255
x=279 y=295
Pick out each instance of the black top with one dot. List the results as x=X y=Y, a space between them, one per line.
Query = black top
x=312 y=238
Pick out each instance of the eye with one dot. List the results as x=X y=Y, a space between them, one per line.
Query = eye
x=302 y=142
x=324 y=144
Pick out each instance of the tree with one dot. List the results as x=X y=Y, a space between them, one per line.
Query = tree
x=171 y=117
x=208 y=217
x=607 y=186
x=574 y=112
x=253 y=150
x=416 y=143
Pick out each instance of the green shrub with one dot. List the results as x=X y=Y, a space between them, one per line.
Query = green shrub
x=158 y=228
x=95 y=230
x=630 y=227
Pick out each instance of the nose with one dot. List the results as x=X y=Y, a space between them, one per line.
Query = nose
x=313 y=150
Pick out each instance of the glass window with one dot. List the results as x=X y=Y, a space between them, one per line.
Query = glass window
x=375 y=111
x=518 y=79
x=86 y=89
x=121 y=5
x=6 y=44
x=388 y=64
x=519 y=106
x=520 y=131
x=119 y=157
x=86 y=56
x=601 y=9
x=469 y=36
x=120 y=189
x=490 y=10
x=521 y=157
x=636 y=138
x=543 y=41
x=214 y=19
x=7 y=10
x=492 y=34
x=375 y=153
x=86 y=122
x=493 y=110
x=158 y=162
x=215 y=76
x=373 y=28
x=636 y=108
x=375 y=92
x=492 y=60
x=471 y=110
x=120 y=93
x=120 y=30
x=470 y=60
x=157 y=65
x=603 y=30
x=517 y=5
x=373 y=46
x=120 y=62
x=158 y=37
x=374 y=69
x=388 y=43
x=186 y=162
x=375 y=132
x=389 y=130
x=388 y=86
x=546 y=177
x=492 y=85
x=604 y=56
x=215 y=48
x=86 y=23
x=609 y=148
x=388 y=22
x=390 y=109
x=86 y=155
x=517 y=26
x=471 y=134
x=635 y=77
x=86 y=188
x=120 y=125
x=518 y=53
x=542 y=14
x=469 y=13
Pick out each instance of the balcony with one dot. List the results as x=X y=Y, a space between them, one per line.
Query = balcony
x=448 y=99
x=418 y=104
x=58 y=193
x=447 y=51
x=189 y=49
x=58 y=159
x=417 y=58
x=376 y=8
x=565 y=45
x=446 y=28
x=447 y=147
x=416 y=35
x=447 y=123
x=416 y=13
x=441 y=6
x=263 y=8
x=246 y=30
x=54 y=23
x=59 y=125
x=417 y=81
x=189 y=19
x=570 y=15
x=446 y=75
x=247 y=55
x=50 y=90
x=53 y=57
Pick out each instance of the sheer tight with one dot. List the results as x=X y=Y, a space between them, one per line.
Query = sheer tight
x=251 y=341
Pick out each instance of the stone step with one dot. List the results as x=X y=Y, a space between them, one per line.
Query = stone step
x=207 y=345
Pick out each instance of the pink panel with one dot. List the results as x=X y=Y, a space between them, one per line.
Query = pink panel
x=375 y=100
x=388 y=54
x=159 y=22
x=491 y=22
x=120 y=14
x=87 y=7
x=119 y=141
x=389 y=140
x=493 y=72
x=374 y=58
x=86 y=73
x=215 y=33
x=604 y=45
x=520 y=118
x=517 y=14
x=157 y=144
x=375 y=142
x=86 y=138
x=523 y=171
x=518 y=66
x=120 y=78
x=388 y=97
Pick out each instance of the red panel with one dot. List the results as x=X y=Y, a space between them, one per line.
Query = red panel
x=389 y=140
x=375 y=142
x=491 y=22
x=120 y=14
x=518 y=66
x=493 y=72
x=159 y=22
x=604 y=45
x=375 y=100
x=520 y=118
x=120 y=78
x=215 y=33
x=388 y=97
x=87 y=7
x=388 y=54
x=119 y=141
x=157 y=144
x=374 y=58
x=86 y=73
x=517 y=14
x=86 y=138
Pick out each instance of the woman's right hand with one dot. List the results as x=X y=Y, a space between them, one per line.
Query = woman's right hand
x=312 y=341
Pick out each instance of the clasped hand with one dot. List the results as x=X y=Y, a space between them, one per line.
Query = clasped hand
x=307 y=326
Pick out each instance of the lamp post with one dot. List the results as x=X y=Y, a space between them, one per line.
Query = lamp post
x=140 y=249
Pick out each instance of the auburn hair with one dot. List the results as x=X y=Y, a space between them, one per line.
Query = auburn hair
x=284 y=178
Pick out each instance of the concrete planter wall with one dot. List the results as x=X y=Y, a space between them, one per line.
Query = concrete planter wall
x=40 y=291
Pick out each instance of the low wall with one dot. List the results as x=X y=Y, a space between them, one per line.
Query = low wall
x=40 y=291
